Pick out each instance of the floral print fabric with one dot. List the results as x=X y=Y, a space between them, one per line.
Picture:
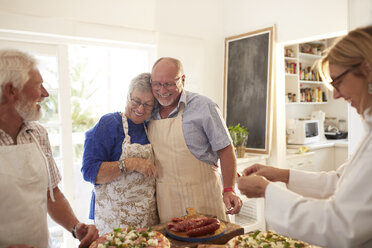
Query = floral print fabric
x=128 y=200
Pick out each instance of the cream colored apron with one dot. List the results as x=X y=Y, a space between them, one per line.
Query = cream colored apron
x=184 y=181
x=23 y=185
x=128 y=200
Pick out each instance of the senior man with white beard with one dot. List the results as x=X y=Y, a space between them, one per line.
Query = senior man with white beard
x=28 y=174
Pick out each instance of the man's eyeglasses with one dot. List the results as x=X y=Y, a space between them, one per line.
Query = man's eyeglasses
x=168 y=86
x=336 y=81
x=137 y=104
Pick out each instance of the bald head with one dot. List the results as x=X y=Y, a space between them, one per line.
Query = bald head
x=169 y=63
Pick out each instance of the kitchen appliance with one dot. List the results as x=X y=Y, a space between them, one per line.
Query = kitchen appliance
x=303 y=132
x=333 y=132
x=336 y=135
x=320 y=116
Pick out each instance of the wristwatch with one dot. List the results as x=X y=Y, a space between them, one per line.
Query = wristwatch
x=121 y=165
x=73 y=232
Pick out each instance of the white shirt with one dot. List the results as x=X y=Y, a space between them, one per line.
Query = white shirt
x=330 y=209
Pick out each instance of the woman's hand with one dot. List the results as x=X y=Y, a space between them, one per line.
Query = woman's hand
x=141 y=165
x=272 y=174
x=253 y=185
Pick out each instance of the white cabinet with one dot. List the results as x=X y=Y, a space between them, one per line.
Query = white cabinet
x=323 y=156
x=251 y=216
x=340 y=156
x=303 y=83
x=324 y=159
x=316 y=160
x=249 y=160
x=303 y=161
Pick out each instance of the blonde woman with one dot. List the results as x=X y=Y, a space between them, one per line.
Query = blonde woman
x=330 y=209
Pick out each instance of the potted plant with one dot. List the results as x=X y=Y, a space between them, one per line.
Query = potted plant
x=239 y=136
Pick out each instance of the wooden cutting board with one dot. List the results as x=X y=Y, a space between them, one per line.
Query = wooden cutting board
x=184 y=237
x=231 y=231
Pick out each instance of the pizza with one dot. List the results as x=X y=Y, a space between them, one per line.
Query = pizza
x=131 y=238
x=260 y=239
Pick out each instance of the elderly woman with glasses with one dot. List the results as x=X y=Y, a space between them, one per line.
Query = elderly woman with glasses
x=118 y=160
x=330 y=209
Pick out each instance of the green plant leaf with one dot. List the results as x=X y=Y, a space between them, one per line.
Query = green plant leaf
x=239 y=135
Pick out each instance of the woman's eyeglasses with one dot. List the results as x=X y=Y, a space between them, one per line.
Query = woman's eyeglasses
x=137 y=104
x=336 y=81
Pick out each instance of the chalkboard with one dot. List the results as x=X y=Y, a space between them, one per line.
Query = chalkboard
x=248 y=59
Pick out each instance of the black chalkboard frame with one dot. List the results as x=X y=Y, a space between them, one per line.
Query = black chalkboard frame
x=248 y=85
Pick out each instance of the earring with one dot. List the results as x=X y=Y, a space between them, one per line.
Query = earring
x=370 y=88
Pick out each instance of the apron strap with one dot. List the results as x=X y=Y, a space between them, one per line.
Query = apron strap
x=125 y=128
x=29 y=131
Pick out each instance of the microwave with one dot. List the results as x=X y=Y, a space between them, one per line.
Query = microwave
x=303 y=132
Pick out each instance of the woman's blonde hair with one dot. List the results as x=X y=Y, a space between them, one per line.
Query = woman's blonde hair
x=352 y=50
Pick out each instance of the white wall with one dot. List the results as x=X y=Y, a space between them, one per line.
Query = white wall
x=296 y=21
x=112 y=19
x=189 y=30
x=192 y=30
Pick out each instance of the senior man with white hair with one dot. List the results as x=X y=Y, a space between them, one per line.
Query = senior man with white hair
x=28 y=174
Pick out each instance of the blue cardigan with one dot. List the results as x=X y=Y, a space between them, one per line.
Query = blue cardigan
x=104 y=143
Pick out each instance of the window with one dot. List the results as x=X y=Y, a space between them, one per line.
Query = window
x=84 y=81
x=99 y=83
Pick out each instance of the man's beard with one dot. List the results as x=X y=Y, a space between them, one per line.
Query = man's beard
x=165 y=103
x=28 y=110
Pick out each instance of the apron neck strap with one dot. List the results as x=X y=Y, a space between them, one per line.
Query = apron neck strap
x=29 y=131
x=126 y=128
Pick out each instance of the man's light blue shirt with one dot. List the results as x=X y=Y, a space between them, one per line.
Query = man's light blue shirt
x=204 y=128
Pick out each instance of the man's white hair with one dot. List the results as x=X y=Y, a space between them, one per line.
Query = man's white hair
x=14 y=67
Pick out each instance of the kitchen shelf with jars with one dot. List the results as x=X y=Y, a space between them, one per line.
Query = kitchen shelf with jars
x=302 y=80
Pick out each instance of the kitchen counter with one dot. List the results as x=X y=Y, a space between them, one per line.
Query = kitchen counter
x=252 y=157
x=322 y=144
x=320 y=156
x=231 y=231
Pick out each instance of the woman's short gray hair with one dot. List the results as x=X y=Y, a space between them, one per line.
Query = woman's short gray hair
x=14 y=67
x=141 y=83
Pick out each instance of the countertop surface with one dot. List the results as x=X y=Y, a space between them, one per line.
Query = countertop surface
x=249 y=157
x=322 y=144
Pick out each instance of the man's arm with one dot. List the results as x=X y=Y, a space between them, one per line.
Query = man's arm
x=228 y=170
x=61 y=212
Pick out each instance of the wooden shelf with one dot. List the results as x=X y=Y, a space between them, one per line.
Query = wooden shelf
x=310 y=82
x=312 y=103
x=310 y=56
x=305 y=61
x=304 y=103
